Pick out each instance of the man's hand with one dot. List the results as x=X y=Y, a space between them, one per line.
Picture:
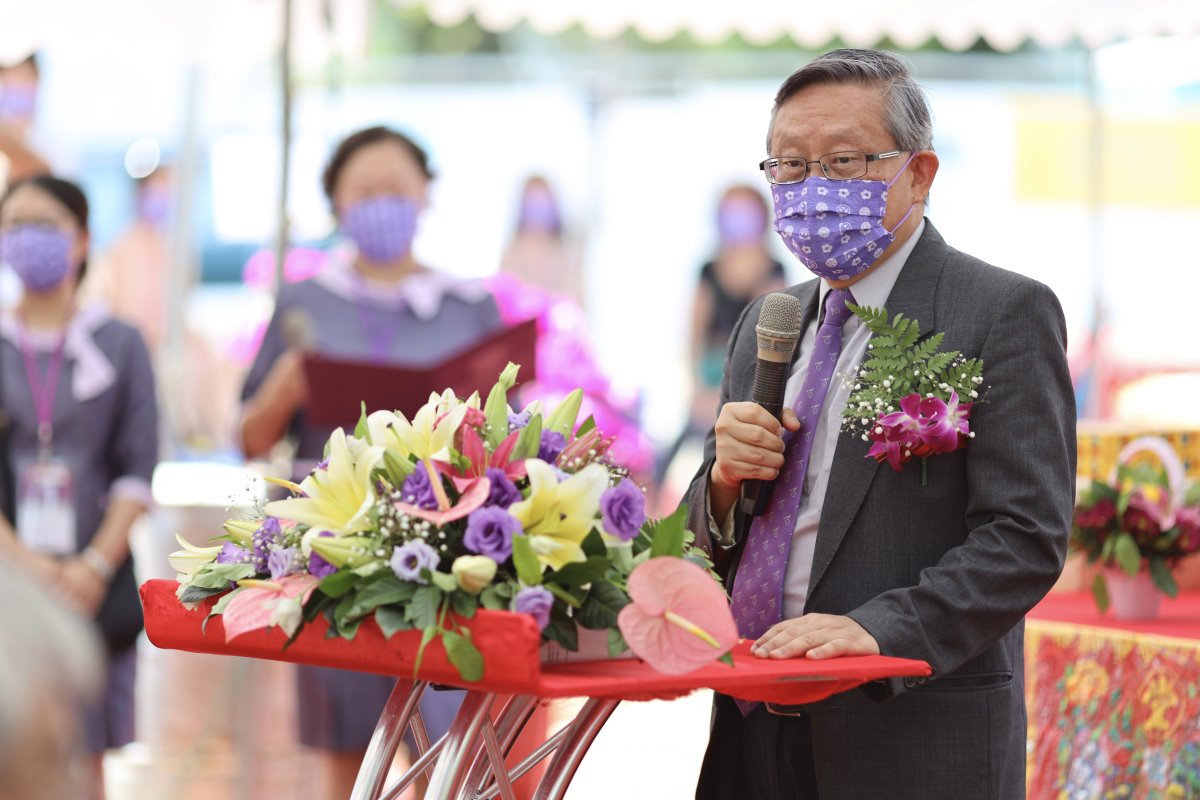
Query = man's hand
x=81 y=586
x=816 y=636
x=749 y=447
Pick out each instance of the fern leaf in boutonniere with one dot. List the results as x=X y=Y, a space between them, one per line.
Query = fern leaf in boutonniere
x=909 y=398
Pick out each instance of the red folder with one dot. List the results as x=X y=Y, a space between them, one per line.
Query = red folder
x=337 y=388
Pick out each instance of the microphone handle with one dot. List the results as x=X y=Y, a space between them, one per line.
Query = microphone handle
x=770 y=380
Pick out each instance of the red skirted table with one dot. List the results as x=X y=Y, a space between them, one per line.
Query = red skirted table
x=470 y=760
x=1113 y=706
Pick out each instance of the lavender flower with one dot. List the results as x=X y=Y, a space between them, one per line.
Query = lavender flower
x=418 y=489
x=264 y=539
x=503 y=492
x=490 y=531
x=551 y=447
x=284 y=561
x=535 y=601
x=317 y=566
x=232 y=554
x=623 y=510
x=410 y=558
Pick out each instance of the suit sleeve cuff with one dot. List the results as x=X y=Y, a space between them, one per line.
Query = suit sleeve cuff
x=720 y=532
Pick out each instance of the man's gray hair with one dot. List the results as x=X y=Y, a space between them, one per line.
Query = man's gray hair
x=907 y=115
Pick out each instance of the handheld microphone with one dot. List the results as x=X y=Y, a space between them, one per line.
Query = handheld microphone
x=778 y=330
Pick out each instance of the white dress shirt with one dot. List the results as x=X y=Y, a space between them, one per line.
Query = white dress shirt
x=873 y=290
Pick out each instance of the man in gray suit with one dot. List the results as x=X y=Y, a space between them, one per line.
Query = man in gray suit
x=881 y=561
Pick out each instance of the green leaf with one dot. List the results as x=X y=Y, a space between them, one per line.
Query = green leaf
x=565 y=595
x=221 y=604
x=604 y=602
x=464 y=604
x=427 y=635
x=562 y=629
x=423 y=609
x=385 y=591
x=1160 y=573
x=338 y=583
x=194 y=594
x=593 y=544
x=668 y=534
x=391 y=621
x=1192 y=496
x=529 y=569
x=219 y=576
x=1127 y=554
x=586 y=427
x=579 y=573
x=490 y=599
x=464 y=655
x=530 y=440
x=727 y=658
x=616 y=643
x=1100 y=592
x=562 y=419
x=361 y=431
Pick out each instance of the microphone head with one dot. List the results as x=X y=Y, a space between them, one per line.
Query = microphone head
x=780 y=316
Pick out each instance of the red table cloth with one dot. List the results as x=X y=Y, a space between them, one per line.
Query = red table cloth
x=1114 y=706
x=510 y=646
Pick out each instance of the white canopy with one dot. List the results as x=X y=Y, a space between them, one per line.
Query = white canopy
x=909 y=23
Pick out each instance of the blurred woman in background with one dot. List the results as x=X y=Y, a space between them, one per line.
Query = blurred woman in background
x=372 y=302
x=81 y=441
x=540 y=254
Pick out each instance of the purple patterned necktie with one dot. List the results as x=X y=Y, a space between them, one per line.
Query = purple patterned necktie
x=757 y=602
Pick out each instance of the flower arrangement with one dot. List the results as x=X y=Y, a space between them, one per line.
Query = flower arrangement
x=908 y=397
x=1144 y=518
x=419 y=523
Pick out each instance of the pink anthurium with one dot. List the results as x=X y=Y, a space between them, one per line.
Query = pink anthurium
x=261 y=604
x=679 y=619
x=474 y=494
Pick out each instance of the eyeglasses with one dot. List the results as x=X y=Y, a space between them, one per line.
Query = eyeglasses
x=837 y=166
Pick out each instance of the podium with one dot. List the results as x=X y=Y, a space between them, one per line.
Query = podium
x=470 y=760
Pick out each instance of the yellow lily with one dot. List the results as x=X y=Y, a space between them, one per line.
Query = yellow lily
x=191 y=558
x=338 y=498
x=425 y=437
x=558 y=516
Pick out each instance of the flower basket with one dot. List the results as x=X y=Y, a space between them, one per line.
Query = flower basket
x=1137 y=525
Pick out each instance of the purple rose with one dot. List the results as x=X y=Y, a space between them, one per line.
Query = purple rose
x=490 y=531
x=317 y=566
x=623 y=510
x=283 y=561
x=518 y=421
x=410 y=558
x=232 y=554
x=535 y=601
x=418 y=489
x=503 y=492
x=551 y=447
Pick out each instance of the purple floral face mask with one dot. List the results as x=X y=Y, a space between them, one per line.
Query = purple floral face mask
x=382 y=228
x=39 y=254
x=835 y=228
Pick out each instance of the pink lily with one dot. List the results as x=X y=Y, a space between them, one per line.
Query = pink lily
x=591 y=446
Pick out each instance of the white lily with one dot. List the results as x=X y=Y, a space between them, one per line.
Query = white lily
x=558 y=516
x=337 y=498
x=426 y=437
x=190 y=559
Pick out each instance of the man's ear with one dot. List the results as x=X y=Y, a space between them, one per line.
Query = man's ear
x=923 y=167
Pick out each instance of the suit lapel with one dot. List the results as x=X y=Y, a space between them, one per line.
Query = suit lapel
x=852 y=472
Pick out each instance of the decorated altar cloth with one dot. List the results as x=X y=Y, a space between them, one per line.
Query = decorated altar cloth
x=510 y=647
x=1114 y=706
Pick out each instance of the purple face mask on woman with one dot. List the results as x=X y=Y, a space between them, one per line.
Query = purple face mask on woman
x=39 y=254
x=382 y=228
x=834 y=227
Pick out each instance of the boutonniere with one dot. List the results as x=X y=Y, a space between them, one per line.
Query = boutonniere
x=910 y=400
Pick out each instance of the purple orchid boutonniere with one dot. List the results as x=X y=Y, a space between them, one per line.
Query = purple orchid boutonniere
x=910 y=400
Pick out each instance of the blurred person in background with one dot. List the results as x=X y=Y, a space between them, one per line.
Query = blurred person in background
x=50 y=667
x=18 y=102
x=741 y=270
x=81 y=440
x=540 y=253
x=375 y=302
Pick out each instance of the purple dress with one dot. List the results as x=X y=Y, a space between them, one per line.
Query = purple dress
x=424 y=319
x=105 y=421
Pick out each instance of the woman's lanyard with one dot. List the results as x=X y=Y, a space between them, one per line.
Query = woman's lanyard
x=43 y=390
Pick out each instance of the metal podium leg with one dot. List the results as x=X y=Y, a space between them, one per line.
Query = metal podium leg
x=582 y=732
x=389 y=732
x=460 y=747
x=509 y=723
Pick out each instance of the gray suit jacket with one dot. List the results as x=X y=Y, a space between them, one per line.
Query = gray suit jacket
x=943 y=572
